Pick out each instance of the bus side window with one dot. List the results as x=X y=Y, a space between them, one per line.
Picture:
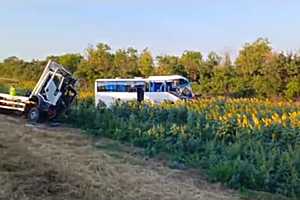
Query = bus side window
x=111 y=87
x=118 y=86
x=101 y=87
x=169 y=87
x=106 y=87
x=152 y=87
x=162 y=87
x=158 y=87
x=121 y=87
x=132 y=88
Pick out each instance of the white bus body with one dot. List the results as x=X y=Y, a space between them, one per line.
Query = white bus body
x=157 y=89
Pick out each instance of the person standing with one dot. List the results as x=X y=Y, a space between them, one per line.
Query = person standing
x=12 y=91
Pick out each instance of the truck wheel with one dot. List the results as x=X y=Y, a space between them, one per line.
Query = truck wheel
x=34 y=115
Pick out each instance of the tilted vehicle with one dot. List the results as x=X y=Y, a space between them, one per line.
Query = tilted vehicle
x=52 y=95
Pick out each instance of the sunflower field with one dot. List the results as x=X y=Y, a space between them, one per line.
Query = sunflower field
x=244 y=143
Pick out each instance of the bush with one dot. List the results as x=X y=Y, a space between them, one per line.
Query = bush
x=293 y=89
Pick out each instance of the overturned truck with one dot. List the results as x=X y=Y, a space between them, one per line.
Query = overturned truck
x=52 y=95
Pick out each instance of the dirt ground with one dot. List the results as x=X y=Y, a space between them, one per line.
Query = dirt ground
x=60 y=163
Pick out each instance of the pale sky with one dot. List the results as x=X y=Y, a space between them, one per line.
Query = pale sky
x=34 y=28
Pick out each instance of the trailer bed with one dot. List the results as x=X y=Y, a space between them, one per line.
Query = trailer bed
x=17 y=103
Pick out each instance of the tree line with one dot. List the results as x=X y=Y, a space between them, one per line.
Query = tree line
x=258 y=70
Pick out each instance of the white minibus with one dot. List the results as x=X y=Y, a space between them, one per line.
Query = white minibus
x=155 y=89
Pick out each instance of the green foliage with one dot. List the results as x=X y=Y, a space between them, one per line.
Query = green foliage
x=19 y=70
x=252 y=57
x=257 y=72
x=238 y=157
x=146 y=63
x=192 y=61
x=293 y=88
x=70 y=61
x=3 y=89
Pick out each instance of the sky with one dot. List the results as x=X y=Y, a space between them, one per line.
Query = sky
x=34 y=29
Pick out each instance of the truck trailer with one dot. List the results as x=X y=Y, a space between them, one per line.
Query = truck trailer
x=52 y=95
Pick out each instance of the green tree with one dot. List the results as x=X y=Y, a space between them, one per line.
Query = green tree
x=293 y=88
x=70 y=61
x=121 y=62
x=146 y=66
x=251 y=67
x=192 y=61
x=13 y=60
x=227 y=60
x=252 y=57
x=97 y=64
x=222 y=81
x=101 y=60
x=126 y=62
x=167 y=65
x=132 y=62
x=213 y=61
x=257 y=70
x=273 y=78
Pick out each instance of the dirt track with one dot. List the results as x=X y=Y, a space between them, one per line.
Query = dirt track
x=60 y=163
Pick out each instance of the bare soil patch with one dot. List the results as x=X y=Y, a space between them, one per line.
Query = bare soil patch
x=60 y=163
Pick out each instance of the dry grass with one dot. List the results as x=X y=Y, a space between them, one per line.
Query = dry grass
x=59 y=163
